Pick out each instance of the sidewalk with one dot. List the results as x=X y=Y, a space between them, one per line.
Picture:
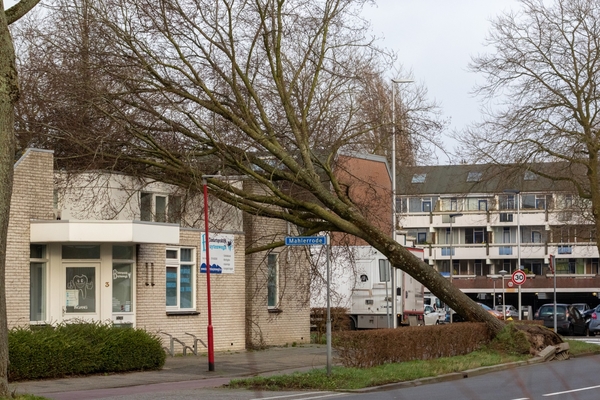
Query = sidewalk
x=183 y=372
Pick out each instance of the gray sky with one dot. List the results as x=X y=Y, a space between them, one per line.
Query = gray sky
x=435 y=39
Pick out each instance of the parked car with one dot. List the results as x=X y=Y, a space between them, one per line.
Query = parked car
x=458 y=318
x=433 y=316
x=510 y=311
x=569 y=320
x=594 y=320
x=582 y=307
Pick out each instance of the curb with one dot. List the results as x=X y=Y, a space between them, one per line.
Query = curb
x=453 y=376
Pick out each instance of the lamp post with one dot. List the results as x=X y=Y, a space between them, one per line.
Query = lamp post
x=494 y=298
x=517 y=194
x=393 y=275
x=211 y=346
x=452 y=216
x=503 y=272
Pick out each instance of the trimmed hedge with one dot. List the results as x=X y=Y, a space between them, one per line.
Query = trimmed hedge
x=81 y=349
x=368 y=348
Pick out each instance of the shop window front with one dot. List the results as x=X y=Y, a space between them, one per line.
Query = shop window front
x=122 y=279
x=272 y=280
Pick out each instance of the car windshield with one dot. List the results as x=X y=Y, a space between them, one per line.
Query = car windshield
x=549 y=310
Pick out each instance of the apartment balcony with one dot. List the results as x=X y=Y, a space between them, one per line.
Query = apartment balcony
x=573 y=250
x=421 y=220
x=459 y=252
x=511 y=251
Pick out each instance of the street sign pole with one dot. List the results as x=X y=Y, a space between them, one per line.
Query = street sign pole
x=318 y=241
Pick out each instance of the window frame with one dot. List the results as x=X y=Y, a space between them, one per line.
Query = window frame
x=177 y=264
x=43 y=296
x=167 y=212
x=273 y=281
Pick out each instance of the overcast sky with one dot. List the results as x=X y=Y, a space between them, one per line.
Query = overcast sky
x=435 y=39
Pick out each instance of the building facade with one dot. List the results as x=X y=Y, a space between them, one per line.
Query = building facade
x=111 y=248
x=476 y=221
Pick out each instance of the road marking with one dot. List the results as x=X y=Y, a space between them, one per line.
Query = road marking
x=302 y=394
x=571 y=391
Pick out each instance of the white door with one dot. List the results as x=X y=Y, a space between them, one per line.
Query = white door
x=82 y=294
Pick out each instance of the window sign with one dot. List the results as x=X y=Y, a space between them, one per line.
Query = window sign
x=81 y=290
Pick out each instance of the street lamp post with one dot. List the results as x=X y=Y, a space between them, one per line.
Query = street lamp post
x=393 y=275
x=517 y=194
x=211 y=346
x=503 y=272
x=452 y=216
x=494 y=298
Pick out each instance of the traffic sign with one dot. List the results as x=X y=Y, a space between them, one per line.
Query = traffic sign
x=518 y=277
x=305 y=240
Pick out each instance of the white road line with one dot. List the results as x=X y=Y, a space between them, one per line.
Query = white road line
x=301 y=394
x=571 y=391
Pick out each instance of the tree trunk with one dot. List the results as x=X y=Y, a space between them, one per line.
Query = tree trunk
x=8 y=96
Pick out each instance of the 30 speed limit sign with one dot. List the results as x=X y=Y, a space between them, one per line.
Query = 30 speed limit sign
x=518 y=277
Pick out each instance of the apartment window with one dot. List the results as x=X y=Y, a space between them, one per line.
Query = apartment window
x=507 y=201
x=506 y=217
x=540 y=202
x=272 y=280
x=426 y=205
x=474 y=176
x=482 y=205
x=181 y=279
x=536 y=237
x=160 y=207
x=421 y=237
x=474 y=235
x=530 y=176
x=453 y=204
x=418 y=178
x=37 y=283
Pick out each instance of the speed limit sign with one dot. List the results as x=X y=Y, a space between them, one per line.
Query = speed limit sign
x=518 y=277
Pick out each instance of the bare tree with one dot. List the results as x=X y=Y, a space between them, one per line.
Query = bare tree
x=269 y=90
x=9 y=94
x=542 y=81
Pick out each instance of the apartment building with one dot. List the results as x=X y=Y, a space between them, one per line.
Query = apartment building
x=475 y=221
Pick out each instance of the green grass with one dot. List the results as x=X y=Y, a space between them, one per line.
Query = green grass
x=577 y=348
x=355 y=378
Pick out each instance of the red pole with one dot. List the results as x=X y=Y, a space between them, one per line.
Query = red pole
x=211 y=351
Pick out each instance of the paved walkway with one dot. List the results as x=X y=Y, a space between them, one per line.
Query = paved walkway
x=189 y=372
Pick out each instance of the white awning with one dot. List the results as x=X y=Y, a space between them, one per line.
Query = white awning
x=59 y=231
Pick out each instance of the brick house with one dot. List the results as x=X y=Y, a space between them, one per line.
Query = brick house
x=112 y=248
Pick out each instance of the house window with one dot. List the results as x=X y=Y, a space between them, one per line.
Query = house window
x=37 y=283
x=122 y=279
x=160 y=208
x=272 y=280
x=180 y=279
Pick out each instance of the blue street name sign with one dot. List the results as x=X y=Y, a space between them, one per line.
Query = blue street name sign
x=305 y=240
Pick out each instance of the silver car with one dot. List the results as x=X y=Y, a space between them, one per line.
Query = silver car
x=509 y=311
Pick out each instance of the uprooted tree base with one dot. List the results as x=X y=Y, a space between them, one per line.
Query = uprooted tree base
x=539 y=337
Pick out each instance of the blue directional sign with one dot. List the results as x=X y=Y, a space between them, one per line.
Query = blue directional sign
x=305 y=240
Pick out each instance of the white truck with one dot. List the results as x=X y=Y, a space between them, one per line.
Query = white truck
x=384 y=297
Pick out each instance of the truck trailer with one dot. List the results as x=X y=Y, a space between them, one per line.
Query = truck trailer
x=383 y=296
